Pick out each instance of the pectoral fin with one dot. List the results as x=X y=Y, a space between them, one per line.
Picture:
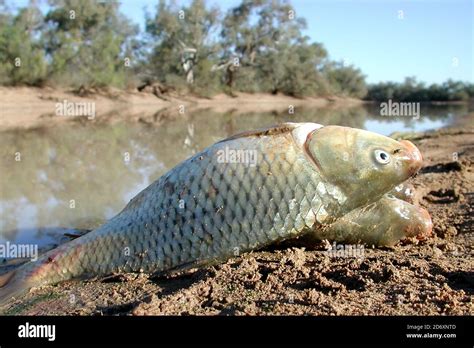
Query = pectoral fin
x=383 y=223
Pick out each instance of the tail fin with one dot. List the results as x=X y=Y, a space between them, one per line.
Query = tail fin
x=11 y=286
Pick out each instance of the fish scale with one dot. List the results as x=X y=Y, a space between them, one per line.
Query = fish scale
x=213 y=220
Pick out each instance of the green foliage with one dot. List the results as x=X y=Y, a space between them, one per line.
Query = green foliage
x=22 y=60
x=412 y=91
x=88 y=43
x=246 y=81
x=345 y=80
x=273 y=54
x=173 y=30
x=206 y=83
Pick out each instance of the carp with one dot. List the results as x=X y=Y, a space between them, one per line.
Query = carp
x=240 y=194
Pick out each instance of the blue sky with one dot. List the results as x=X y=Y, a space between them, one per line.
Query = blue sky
x=433 y=41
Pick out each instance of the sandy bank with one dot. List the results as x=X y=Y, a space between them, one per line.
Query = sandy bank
x=25 y=107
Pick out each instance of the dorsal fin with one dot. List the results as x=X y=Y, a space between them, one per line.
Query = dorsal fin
x=272 y=130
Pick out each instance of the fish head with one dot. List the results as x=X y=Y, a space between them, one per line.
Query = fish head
x=362 y=164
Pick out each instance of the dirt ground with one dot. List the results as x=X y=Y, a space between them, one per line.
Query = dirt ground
x=430 y=277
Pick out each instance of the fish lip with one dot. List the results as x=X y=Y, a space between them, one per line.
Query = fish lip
x=413 y=157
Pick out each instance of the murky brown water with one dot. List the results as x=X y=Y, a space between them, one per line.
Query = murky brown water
x=78 y=175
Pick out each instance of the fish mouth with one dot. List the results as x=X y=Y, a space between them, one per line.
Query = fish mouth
x=412 y=156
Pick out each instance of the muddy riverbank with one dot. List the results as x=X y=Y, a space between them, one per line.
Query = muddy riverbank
x=27 y=107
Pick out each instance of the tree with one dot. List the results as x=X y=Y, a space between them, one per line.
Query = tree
x=22 y=59
x=182 y=39
x=264 y=49
x=345 y=80
x=456 y=90
x=89 y=43
x=412 y=91
x=292 y=69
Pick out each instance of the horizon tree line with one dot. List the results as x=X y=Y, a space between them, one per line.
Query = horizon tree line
x=256 y=46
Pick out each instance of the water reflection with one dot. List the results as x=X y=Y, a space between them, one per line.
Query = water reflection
x=78 y=175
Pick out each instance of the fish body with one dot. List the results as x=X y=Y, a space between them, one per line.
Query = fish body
x=238 y=195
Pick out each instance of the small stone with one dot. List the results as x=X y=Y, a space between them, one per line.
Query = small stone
x=437 y=252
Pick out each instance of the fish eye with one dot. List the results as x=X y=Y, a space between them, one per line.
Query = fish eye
x=382 y=156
